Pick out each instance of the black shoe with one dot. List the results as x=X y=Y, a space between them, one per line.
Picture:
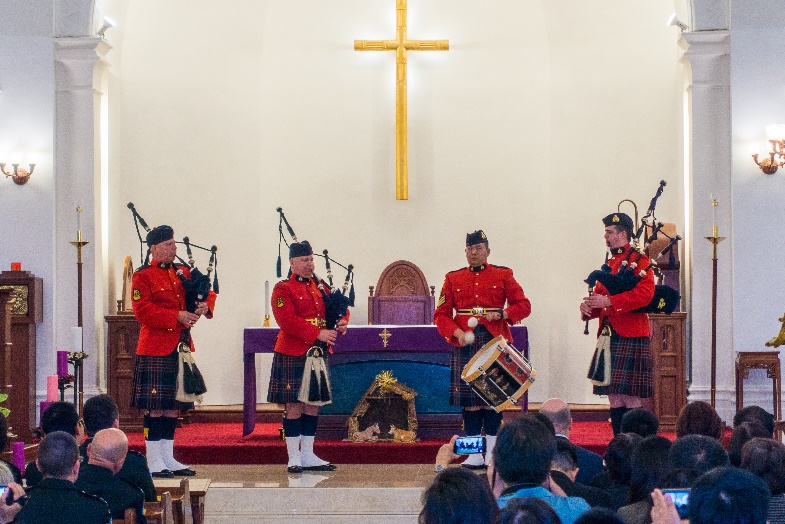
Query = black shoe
x=474 y=467
x=185 y=472
x=294 y=469
x=163 y=474
x=323 y=467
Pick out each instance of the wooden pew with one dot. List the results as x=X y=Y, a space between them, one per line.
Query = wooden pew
x=160 y=512
x=130 y=516
x=191 y=491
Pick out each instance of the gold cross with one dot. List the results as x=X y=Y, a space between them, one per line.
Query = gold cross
x=400 y=45
x=385 y=335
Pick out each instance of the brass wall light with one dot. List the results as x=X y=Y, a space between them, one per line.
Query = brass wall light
x=19 y=176
x=775 y=134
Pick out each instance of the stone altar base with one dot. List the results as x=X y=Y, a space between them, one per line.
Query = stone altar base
x=353 y=493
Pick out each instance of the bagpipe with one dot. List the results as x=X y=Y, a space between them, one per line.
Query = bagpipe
x=199 y=285
x=665 y=298
x=316 y=388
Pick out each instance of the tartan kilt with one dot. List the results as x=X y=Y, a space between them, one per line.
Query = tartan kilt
x=631 y=368
x=155 y=383
x=461 y=394
x=286 y=377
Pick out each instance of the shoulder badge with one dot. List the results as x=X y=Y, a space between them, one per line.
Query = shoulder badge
x=137 y=295
x=279 y=302
x=441 y=300
x=143 y=266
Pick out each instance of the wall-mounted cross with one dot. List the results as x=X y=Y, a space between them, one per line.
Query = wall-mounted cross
x=400 y=45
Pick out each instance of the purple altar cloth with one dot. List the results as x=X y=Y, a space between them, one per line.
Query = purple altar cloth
x=359 y=340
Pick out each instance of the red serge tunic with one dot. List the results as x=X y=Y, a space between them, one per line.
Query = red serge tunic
x=485 y=286
x=298 y=308
x=158 y=296
x=619 y=313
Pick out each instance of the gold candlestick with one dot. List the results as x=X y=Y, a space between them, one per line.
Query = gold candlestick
x=714 y=239
x=78 y=370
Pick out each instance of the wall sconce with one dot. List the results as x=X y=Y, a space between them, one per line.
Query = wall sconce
x=775 y=134
x=19 y=176
x=108 y=22
x=674 y=20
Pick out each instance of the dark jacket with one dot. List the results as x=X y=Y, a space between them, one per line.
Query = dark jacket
x=117 y=492
x=55 y=500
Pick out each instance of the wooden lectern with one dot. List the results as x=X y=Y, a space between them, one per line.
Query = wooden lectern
x=21 y=308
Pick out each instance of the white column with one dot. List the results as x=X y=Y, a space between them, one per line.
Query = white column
x=78 y=181
x=709 y=158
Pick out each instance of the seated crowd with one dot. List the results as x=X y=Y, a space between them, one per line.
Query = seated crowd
x=84 y=472
x=535 y=473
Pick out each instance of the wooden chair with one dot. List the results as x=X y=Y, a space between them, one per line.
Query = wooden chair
x=402 y=296
x=160 y=512
x=182 y=508
x=130 y=516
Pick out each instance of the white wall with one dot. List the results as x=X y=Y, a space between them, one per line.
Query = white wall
x=535 y=124
x=758 y=97
x=27 y=134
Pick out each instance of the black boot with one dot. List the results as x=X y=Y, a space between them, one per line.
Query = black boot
x=616 y=416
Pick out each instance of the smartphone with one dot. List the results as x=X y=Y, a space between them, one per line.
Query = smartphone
x=469 y=445
x=680 y=498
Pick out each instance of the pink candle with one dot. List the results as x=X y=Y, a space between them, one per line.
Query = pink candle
x=51 y=388
x=62 y=363
x=19 y=455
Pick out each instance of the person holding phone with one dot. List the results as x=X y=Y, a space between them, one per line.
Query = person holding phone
x=480 y=292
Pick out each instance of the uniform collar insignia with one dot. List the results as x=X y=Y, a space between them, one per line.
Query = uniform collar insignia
x=477 y=268
x=617 y=251
x=301 y=279
x=163 y=265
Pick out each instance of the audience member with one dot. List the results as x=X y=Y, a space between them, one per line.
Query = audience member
x=564 y=470
x=106 y=454
x=641 y=422
x=558 y=412
x=101 y=412
x=766 y=458
x=755 y=414
x=59 y=416
x=599 y=516
x=698 y=453
x=55 y=498
x=521 y=462
x=648 y=467
x=528 y=510
x=728 y=496
x=458 y=496
x=3 y=444
x=615 y=481
x=742 y=434
x=699 y=418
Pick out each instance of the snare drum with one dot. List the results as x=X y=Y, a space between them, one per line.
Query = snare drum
x=499 y=374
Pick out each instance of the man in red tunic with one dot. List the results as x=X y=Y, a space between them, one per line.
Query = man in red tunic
x=159 y=306
x=630 y=335
x=479 y=291
x=299 y=310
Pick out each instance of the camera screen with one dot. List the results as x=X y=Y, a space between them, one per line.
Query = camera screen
x=680 y=498
x=469 y=445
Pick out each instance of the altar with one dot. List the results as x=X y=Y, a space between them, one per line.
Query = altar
x=417 y=356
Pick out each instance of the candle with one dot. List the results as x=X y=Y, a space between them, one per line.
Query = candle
x=714 y=227
x=19 y=454
x=267 y=298
x=62 y=363
x=76 y=339
x=51 y=388
x=79 y=223
x=45 y=405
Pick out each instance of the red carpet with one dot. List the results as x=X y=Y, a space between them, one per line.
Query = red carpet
x=221 y=443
